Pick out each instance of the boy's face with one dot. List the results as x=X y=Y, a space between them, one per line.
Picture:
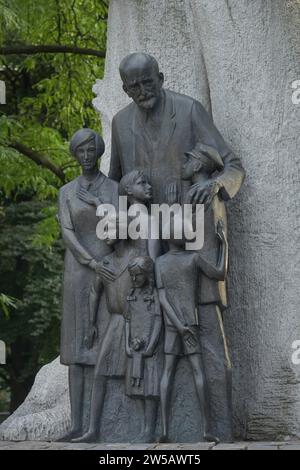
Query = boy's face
x=141 y=190
x=138 y=277
x=189 y=167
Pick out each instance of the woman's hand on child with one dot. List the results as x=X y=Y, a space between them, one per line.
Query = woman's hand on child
x=105 y=273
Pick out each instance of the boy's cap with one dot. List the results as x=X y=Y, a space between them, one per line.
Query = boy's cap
x=208 y=155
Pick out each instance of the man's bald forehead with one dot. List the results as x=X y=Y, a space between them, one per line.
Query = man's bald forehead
x=137 y=61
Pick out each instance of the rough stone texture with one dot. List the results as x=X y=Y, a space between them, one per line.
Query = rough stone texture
x=45 y=412
x=239 y=58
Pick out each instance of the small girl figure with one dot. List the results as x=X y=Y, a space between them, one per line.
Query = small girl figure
x=142 y=332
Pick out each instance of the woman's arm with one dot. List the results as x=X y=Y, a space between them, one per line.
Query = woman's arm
x=94 y=300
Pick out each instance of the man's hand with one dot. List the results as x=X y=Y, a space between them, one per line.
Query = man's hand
x=203 y=193
x=87 y=197
x=90 y=338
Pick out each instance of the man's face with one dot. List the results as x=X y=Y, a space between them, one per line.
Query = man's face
x=86 y=155
x=143 y=85
x=188 y=167
x=141 y=190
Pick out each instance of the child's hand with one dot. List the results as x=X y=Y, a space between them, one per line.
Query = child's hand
x=188 y=337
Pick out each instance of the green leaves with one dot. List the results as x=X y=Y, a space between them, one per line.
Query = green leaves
x=49 y=96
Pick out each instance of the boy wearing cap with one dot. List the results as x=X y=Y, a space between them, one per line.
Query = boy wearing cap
x=200 y=165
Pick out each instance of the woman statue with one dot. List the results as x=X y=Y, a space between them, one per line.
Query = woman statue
x=78 y=200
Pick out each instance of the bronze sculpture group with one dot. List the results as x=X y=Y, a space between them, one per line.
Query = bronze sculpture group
x=163 y=302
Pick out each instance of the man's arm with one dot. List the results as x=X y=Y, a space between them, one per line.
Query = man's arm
x=115 y=170
x=229 y=181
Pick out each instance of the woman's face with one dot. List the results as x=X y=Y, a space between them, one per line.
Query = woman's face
x=86 y=155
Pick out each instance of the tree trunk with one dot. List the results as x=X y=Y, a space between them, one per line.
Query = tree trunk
x=239 y=58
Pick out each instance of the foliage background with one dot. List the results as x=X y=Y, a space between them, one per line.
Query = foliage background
x=48 y=97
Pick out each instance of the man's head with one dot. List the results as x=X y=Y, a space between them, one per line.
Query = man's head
x=142 y=80
x=136 y=186
x=203 y=158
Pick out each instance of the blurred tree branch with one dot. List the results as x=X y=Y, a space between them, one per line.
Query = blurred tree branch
x=38 y=159
x=50 y=49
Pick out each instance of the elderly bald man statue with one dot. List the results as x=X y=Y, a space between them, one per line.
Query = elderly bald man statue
x=153 y=133
x=157 y=128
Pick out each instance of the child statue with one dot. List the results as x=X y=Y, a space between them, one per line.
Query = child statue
x=177 y=278
x=143 y=328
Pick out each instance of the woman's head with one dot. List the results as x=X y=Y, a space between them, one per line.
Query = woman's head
x=87 y=147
